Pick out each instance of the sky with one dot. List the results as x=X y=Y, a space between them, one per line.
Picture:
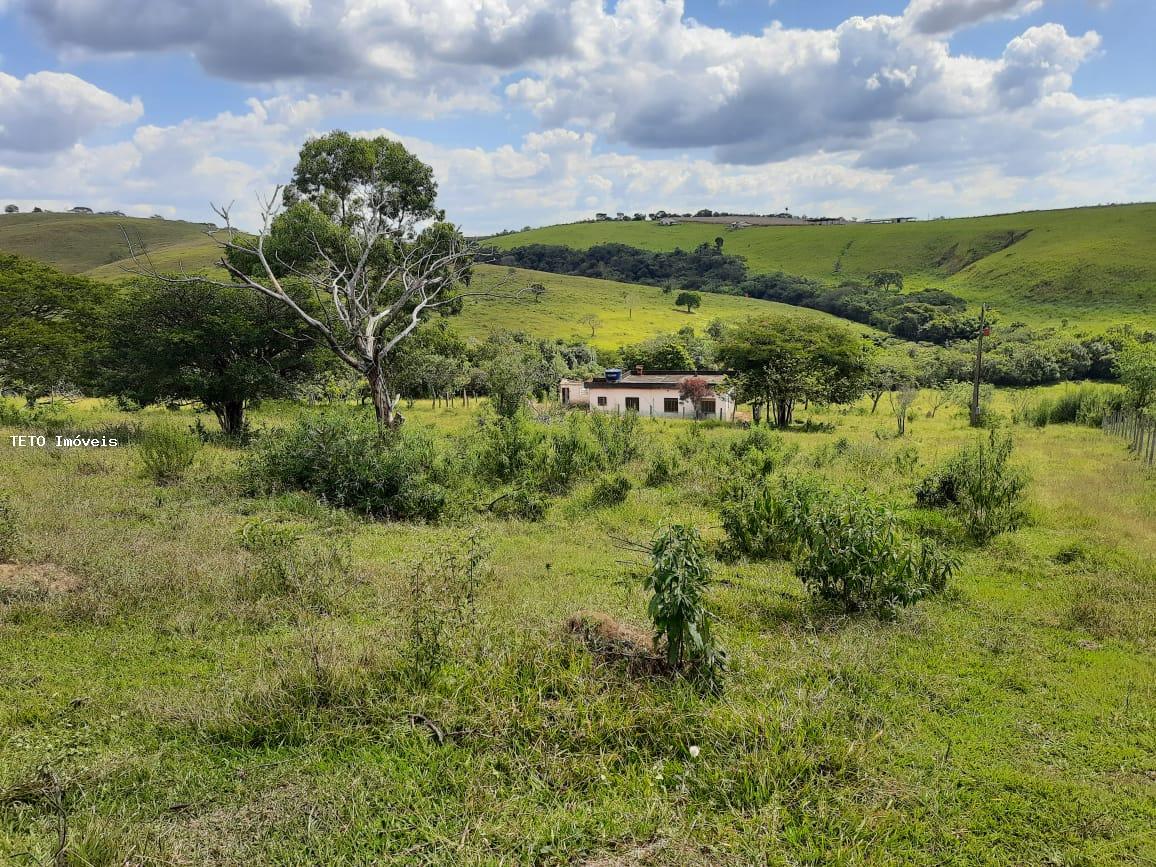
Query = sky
x=535 y=112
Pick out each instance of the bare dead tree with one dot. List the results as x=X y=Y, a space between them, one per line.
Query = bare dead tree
x=363 y=311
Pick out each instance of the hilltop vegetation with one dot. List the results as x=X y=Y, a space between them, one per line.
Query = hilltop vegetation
x=1093 y=266
x=94 y=244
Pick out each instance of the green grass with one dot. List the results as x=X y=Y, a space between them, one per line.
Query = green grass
x=1093 y=266
x=568 y=299
x=1009 y=721
x=95 y=245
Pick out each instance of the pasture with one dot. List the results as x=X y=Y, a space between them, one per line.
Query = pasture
x=1093 y=267
x=163 y=708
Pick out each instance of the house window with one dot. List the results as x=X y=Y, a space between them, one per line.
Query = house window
x=670 y=404
x=632 y=404
x=706 y=407
x=602 y=400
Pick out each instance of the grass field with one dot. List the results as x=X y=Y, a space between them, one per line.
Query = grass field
x=172 y=717
x=1093 y=266
x=95 y=245
x=568 y=299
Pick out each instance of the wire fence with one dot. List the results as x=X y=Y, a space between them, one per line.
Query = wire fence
x=1139 y=430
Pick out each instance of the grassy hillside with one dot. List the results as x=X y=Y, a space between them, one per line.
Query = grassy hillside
x=82 y=243
x=1094 y=266
x=568 y=299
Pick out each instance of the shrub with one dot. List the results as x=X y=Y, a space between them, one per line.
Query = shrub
x=168 y=452
x=1086 y=404
x=506 y=447
x=855 y=556
x=611 y=490
x=571 y=452
x=762 y=521
x=981 y=485
x=345 y=460
x=7 y=530
x=662 y=468
x=678 y=579
x=521 y=502
x=617 y=437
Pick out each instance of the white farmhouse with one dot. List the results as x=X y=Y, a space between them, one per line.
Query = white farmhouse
x=655 y=393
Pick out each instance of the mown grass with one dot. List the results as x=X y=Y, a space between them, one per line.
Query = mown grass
x=1092 y=266
x=187 y=721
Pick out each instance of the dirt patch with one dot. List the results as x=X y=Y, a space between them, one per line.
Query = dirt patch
x=36 y=581
x=608 y=639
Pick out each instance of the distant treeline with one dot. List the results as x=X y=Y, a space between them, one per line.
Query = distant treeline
x=705 y=267
x=930 y=315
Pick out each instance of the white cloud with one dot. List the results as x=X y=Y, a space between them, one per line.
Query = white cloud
x=47 y=111
x=937 y=17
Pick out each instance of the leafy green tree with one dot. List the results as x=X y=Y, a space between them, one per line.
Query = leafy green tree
x=661 y=352
x=689 y=300
x=44 y=318
x=885 y=279
x=226 y=347
x=782 y=361
x=1136 y=367
x=888 y=373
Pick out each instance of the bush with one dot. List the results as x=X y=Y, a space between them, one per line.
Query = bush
x=345 y=460
x=520 y=502
x=611 y=490
x=1086 y=404
x=571 y=452
x=168 y=452
x=979 y=483
x=662 y=468
x=678 y=579
x=506 y=447
x=7 y=530
x=617 y=437
x=762 y=521
x=855 y=556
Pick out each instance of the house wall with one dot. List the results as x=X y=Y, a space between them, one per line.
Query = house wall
x=651 y=401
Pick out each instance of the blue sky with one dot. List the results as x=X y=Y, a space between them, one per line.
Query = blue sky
x=540 y=111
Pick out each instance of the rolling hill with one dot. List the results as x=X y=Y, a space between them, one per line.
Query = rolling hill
x=568 y=299
x=94 y=244
x=1092 y=266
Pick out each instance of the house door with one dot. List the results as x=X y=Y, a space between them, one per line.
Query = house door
x=565 y=395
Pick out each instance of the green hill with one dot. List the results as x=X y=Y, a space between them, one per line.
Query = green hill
x=95 y=245
x=1094 y=266
x=568 y=299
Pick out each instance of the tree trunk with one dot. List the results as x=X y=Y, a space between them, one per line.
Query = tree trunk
x=230 y=416
x=384 y=404
x=784 y=409
x=875 y=401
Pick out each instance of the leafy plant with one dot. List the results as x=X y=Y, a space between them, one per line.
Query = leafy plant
x=662 y=468
x=678 y=579
x=855 y=556
x=611 y=490
x=168 y=452
x=442 y=598
x=763 y=521
x=981 y=485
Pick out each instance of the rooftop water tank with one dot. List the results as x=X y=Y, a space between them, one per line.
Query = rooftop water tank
x=613 y=374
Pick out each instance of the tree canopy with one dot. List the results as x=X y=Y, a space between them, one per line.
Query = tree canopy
x=782 y=361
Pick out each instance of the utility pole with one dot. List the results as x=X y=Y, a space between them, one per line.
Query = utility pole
x=983 y=332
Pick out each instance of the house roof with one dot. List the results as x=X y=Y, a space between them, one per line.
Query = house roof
x=658 y=379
